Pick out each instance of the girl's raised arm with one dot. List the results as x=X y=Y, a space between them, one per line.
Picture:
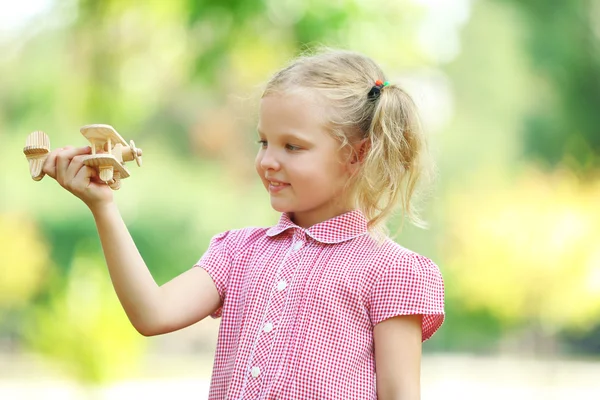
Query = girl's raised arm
x=152 y=309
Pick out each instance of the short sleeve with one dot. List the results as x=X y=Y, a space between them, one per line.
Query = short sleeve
x=412 y=285
x=217 y=262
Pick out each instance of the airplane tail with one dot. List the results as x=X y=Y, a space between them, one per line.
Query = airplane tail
x=36 y=150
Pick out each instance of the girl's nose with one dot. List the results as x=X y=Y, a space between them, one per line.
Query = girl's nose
x=268 y=160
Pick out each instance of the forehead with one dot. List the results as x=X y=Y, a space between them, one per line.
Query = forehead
x=295 y=112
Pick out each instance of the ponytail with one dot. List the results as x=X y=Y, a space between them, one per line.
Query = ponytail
x=394 y=161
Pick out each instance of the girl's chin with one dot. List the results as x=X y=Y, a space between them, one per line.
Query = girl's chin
x=279 y=206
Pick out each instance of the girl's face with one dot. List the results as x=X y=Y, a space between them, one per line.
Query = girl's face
x=299 y=162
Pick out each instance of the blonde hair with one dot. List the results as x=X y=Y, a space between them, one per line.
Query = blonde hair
x=395 y=157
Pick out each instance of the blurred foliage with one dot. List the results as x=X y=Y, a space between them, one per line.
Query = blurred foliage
x=535 y=258
x=83 y=326
x=563 y=40
x=23 y=261
x=518 y=243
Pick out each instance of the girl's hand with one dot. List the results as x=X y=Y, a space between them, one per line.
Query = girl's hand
x=66 y=166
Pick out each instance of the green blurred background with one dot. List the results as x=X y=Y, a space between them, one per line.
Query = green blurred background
x=508 y=92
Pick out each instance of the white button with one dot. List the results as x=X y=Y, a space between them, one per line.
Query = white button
x=297 y=245
x=281 y=285
x=255 y=371
x=268 y=327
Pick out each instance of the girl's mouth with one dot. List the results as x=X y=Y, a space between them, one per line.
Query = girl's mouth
x=276 y=187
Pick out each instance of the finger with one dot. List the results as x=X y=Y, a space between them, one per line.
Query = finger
x=49 y=167
x=89 y=174
x=63 y=159
x=78 y=174
x=70 y=179
x=74 y=166
x=94 y=176
x=88 y=177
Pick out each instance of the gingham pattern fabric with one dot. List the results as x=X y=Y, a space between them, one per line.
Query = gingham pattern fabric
x=299 y=306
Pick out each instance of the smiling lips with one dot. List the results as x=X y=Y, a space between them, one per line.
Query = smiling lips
x=277 y=186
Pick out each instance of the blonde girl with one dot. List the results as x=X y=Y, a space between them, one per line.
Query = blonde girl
x=323 y=305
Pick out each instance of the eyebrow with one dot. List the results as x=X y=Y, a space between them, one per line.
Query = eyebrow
x=287 y=135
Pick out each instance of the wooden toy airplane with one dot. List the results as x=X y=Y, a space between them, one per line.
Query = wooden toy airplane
x=109 y=153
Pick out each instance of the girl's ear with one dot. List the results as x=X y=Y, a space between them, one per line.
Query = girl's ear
x=360 y=151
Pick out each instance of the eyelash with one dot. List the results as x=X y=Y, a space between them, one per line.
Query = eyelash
x=289 y=147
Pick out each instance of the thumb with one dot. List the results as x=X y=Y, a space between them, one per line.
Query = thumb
x=93 y=177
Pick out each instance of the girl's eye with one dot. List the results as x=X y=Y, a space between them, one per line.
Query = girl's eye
x=290 y=147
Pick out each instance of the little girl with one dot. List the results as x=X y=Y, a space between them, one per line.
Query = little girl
x=323 y=305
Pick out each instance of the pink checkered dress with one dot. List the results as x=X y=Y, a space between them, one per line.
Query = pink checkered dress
x=299 y=306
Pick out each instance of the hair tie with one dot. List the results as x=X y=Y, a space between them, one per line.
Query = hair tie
x=376 y=90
